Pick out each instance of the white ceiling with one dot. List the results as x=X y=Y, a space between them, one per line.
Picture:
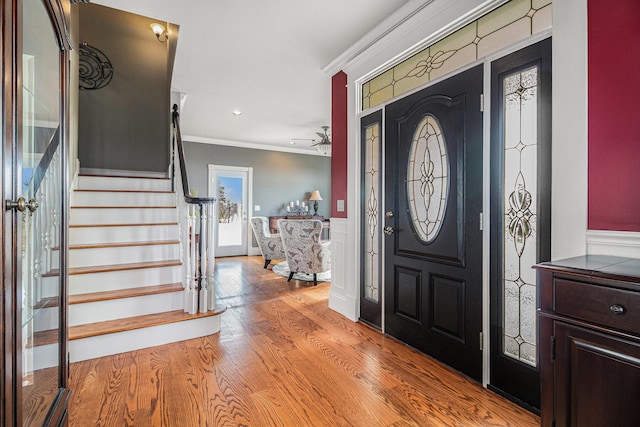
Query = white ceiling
x=262 y=57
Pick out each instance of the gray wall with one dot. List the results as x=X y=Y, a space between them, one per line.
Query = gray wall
x=278 y=178
x=125 y=125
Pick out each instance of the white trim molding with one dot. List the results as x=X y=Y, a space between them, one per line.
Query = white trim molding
x=344 y=293
x=615 y=243
x=252 y=145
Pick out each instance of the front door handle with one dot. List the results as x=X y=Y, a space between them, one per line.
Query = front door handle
x=21 y=204
x=388 y=230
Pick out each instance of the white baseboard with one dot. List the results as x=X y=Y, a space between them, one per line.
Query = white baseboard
x=615 y=243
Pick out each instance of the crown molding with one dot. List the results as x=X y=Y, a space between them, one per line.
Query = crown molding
x=401 y=32
x=252 y=145
x=378 y=33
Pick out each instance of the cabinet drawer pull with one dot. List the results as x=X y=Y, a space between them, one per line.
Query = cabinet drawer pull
x=617 y=309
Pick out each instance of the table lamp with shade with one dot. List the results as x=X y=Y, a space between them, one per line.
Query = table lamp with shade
x=315 y=196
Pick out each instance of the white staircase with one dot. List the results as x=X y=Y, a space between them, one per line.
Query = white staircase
x=125 y=273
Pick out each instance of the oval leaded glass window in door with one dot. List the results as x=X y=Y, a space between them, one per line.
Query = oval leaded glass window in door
x=428 y=179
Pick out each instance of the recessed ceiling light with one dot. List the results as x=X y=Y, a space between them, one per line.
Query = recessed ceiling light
x=237 y=112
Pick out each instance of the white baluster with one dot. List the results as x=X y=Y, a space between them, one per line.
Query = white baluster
x=55 y=209
x=193 y=293
x=211 y=258
x=39 y=258
x=203 y=261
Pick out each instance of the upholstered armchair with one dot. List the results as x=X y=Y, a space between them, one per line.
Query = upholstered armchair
x=270 y=244
x=304 y=251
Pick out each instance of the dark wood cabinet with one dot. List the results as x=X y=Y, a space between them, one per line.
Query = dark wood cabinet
x=589 y=335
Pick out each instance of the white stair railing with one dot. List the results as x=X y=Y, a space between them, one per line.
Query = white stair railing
x=195 y=218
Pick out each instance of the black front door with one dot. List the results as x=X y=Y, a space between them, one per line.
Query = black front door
x=433 y=242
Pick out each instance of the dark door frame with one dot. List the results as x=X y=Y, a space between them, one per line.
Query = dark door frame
x=10 y=311
x=370 y=311
x=508 y=375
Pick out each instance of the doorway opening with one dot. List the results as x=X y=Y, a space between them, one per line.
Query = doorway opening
x=232 y=187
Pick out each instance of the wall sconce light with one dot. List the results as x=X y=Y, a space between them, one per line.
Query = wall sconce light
x=161 y=34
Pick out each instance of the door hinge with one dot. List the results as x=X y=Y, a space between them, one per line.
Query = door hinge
x=482 y=102
x=481 y=341
x=553 y=349
x=481 y=221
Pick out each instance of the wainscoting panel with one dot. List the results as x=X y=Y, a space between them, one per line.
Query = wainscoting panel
x=343 y=296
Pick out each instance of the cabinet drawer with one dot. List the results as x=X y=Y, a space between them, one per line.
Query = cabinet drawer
x=616 y=308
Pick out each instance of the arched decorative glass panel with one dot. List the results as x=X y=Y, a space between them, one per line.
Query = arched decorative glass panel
x=513 y=21
x=428 y=179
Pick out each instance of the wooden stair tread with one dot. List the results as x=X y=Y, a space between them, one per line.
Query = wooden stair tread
x=124 y=293
x=137 y=322
x=123 y=225
x=124 y=207
x=123 y=244
x=39 y=338
x=123 y=176
x=94 y=190
x=116 y=267
x=47 y=302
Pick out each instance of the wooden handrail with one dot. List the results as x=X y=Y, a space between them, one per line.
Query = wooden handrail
x=199 y=257
x=45 y=160
x=177 y=140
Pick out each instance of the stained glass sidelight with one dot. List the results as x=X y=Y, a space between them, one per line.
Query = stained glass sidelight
x=513 y=21
x=372 y=213
x=520 y=206
x=427 y=179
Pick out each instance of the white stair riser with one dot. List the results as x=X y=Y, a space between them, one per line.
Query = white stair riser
x=106 y=345
x=122 y=183
x=123 y=199
x=50 y=287
x=101 y=311
x=121 y=234
x=42 y=356
x=122 y=255
x=46 y=319
x=116 y=280
x=84 y=216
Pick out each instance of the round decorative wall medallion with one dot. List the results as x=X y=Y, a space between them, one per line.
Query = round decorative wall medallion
x=96 y=70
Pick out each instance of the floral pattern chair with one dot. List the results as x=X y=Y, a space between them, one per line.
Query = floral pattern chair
x=270 y=244
x=304 y=251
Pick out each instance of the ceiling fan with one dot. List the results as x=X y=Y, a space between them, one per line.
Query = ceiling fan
x=324 y=145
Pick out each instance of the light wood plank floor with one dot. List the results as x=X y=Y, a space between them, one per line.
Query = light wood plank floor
x=282 y=358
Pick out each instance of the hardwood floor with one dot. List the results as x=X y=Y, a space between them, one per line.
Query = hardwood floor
x=282 y=358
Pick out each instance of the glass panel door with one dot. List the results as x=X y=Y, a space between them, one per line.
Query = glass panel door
x=520 y=214
x=229 y=185
x=371 y=256
x=39 y=269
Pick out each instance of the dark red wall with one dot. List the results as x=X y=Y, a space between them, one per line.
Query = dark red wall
x=614 y=114
x=338 y=143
